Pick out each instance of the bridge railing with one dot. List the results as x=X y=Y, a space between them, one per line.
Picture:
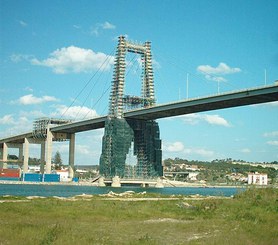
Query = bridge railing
x=207 y=96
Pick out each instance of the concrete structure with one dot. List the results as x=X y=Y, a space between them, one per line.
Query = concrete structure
x=257 y=179
x=137 y=124
x=116 y=182
x=120 y=133
x=64 y=175
x=43 y=136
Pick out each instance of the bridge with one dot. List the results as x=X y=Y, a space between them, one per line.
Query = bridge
x=124 y=128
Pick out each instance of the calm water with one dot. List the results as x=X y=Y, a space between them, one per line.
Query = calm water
x=68 y=191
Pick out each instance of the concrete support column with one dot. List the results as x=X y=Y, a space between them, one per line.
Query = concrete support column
x=20 y=153
x=26 y=155
x=71 y=155
x=116 y=182
x=48 y=147
x=3 y=164
x=42 y=157
x=5 y=152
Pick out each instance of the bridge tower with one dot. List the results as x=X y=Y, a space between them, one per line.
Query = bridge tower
x=122 y=133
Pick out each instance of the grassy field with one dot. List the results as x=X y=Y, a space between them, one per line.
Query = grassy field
x=248 y=218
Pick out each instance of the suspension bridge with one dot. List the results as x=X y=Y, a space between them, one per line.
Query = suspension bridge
x=130 y=122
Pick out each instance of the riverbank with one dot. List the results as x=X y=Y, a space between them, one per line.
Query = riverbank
x=247 y=218
x=166 y=183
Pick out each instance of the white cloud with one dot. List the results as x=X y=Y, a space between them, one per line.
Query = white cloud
x=221 y=69
x=216 y=120
x=7 y=119
x=245 y=150
x=20 y=57
x=271 y=134
x=32 y=114
x=215 y=78
x=272 y=142
x=20 y=125
x=173 y=147
x=83 y=149
x=191 y=118
x=75 y=59
x=22 y=23
x=203 y=152
x=107 y=25
x=74 y=112
x=217 y=73
x=101 y=26
x=211 y=119
x=30 y=99
x=179 y=148
x=77 y=26
x=28 y=89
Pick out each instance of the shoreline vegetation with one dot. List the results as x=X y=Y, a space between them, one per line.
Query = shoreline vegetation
x=249 y=217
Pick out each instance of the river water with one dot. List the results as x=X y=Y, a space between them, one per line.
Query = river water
x=70 y=190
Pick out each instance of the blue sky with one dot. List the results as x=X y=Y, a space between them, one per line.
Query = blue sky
x=51 y=49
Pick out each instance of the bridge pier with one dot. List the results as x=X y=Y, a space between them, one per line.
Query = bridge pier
x=71 y=155
x=42 y=157
x=5 y=150
x=48 y=149
x=4 y=155
x=26 y=155
x=116 y=182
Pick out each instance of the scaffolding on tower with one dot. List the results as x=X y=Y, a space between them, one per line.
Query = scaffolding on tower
x=122 y=134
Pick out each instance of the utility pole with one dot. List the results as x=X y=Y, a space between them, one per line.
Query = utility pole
x=264 y=77
x=187 y=85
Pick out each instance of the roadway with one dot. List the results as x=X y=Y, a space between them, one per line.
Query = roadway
x=215 y=102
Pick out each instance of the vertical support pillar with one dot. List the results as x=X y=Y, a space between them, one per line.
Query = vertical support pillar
x=5 y=152
x=20 y=153
x=4 y=156
x=42 y=157
x=49 y=138
x=26 y=156
x=71 y=155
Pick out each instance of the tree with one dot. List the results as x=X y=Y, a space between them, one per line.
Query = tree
x=57 y=161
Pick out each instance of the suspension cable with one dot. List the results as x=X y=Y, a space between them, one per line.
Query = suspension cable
x=87 y=83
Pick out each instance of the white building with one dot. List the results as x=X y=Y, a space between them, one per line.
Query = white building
x=64 y=175
x=34 y=169
x=257 y=179
x=193 y=176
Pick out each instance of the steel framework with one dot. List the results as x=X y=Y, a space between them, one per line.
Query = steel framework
x=121 y=134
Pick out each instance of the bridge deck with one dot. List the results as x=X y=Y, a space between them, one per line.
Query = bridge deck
x=221 y=101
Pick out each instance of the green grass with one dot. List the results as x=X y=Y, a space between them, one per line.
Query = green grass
x=249 y=218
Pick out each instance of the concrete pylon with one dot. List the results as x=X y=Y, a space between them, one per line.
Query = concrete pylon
x=26 y=156
x=48 y=148
x=71 y=155
x=5 y=152
x=20 y=153
x=101 y=182
x=159 y=183
x=42 y=157
x=116 y=182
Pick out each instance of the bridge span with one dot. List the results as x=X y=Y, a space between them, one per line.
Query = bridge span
x=67 y=131
x=214 y=102
x=220 y=101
